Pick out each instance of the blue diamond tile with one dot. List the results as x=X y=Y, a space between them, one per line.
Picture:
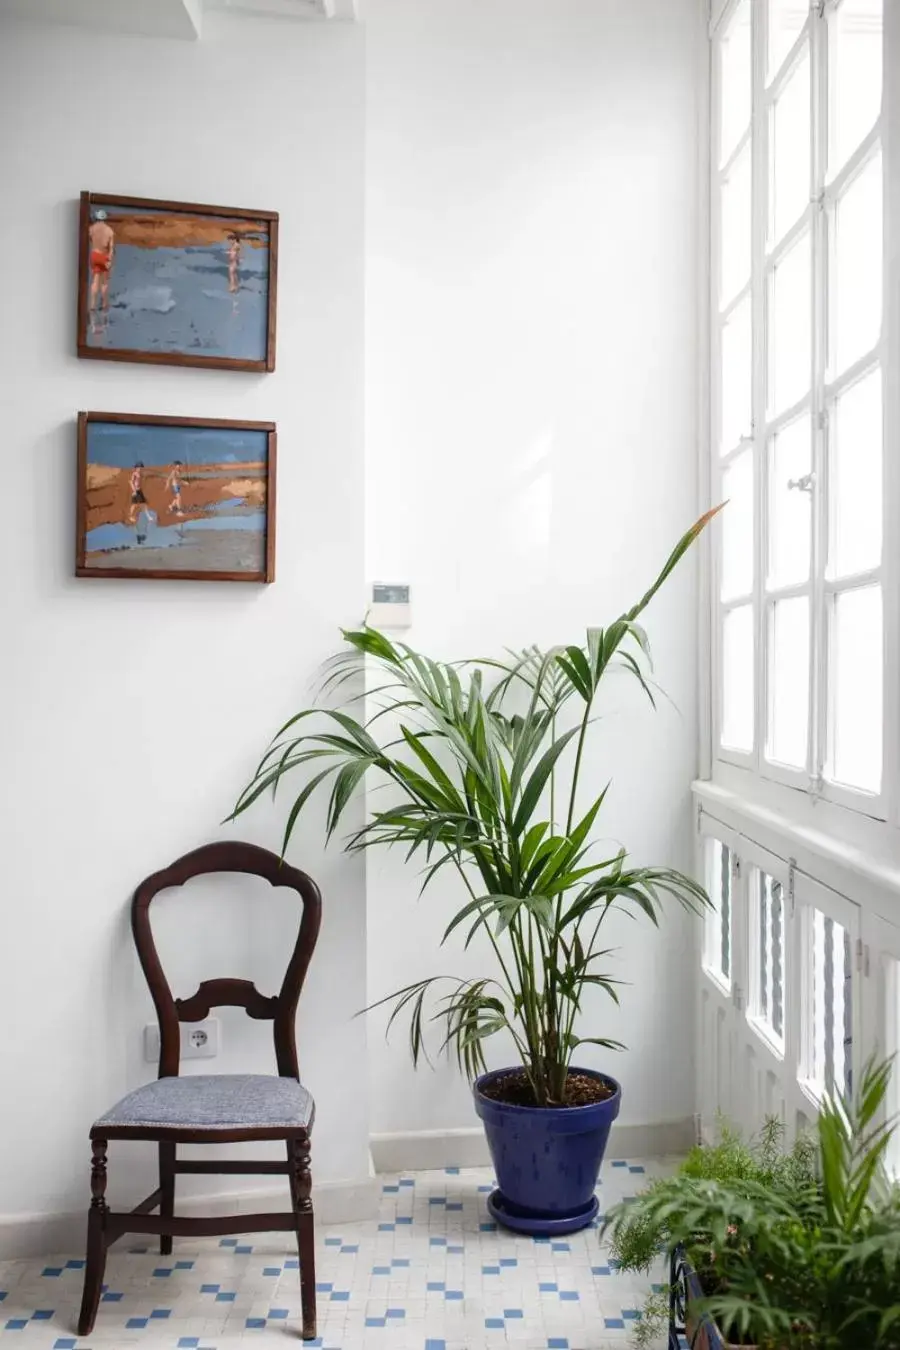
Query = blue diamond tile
x=400 y=1219
x=333 y=1242
x=437 y=1200
x=292 y=1263
x=636 y=1169
x=657 y=1288
x=483 y=1190
x=558 y=1343
x=395 y=1313
x=210 y=1288
x=75 y=1264
x=162 y=1272
x=614 y=1323
x=487 y=1228
x=494 y=1323
x=226 y=1298
x=346 y=1250
x=381 y=1270
x=452 y=1171
x=243 y=1251
x=508 y=1261
x=539 y=1237
x=184 y=1265
x=110 y=1297
x=280 y=1313
x=400 y=1261
x=385 y=1228
x=254 y=1323
x=389 y=1190
x=324 y=1288
x=161 y=1313
x=630 y=1314
x=435 y=1345
x=375 y=1322
x=228 y=1242
x=407 y=1181
x=569 y=1296
x=560 y=1247
x=437 y=1242
x=17 y=1324
x=52 y=1271
x=271 y=1270
x=188 y=1342
x=601 y=1270
x=64 y=1343
x=620 y=1163
x=546 y=1287
x=455 y=1251
x=42 y=1315
x=513 y=1312
x=436 y=1286
x=453 y=1207
x=453 y=1295
x=490 y=1270
x=340 y=1296
x=136 y=1323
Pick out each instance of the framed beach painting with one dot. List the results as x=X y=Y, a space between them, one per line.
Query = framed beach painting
x=185 y=498
x=176 y=283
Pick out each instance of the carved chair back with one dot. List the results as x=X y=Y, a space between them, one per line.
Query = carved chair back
x=281 y=1008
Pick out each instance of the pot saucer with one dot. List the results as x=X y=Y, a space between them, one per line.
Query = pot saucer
x=540 y=1225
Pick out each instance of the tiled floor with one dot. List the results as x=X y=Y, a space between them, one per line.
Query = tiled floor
x=432 y=1273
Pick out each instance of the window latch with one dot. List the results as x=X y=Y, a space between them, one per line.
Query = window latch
x=804 y=483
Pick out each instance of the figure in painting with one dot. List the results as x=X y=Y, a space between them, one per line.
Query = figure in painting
x=234 y=258
x=173 y=485
x=138 y=500
x=102 y=240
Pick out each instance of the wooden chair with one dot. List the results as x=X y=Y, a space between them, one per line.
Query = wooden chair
x=213 y=1109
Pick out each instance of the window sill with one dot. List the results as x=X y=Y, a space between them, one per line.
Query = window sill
x=851 y=854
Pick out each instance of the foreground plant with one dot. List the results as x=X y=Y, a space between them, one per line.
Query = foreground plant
x=481 y=778
x=794 y=1251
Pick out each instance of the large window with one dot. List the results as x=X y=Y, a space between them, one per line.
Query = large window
x=798 y=399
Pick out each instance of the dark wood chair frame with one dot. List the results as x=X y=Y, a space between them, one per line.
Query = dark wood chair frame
x=106 y=1227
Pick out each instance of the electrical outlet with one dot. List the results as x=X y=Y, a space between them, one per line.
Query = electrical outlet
x=199 y=1040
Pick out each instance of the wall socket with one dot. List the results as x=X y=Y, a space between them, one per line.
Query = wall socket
x=199 y=1040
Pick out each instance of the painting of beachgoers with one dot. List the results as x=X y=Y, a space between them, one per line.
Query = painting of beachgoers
x=176 y=283
x=180 y=498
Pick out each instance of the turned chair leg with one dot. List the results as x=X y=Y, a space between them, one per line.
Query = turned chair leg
x=167 y=1186
x=301 y=1187
x=96 y=1240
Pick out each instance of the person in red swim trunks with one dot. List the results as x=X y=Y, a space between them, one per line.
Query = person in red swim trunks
x=103 y=250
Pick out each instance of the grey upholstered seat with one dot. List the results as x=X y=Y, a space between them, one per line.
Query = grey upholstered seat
x=214 y=1102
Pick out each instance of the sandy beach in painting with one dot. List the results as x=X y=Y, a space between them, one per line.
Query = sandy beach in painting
x=224 y=498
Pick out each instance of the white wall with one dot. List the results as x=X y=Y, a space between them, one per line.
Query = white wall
x=132 y=712
x=532 y=251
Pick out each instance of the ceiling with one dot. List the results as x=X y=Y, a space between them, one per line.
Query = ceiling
x=168 y=18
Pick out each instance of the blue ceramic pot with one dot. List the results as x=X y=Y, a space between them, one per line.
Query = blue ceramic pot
x=546 y=1159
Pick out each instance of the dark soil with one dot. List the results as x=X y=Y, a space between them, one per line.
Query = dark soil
x=514 y=1089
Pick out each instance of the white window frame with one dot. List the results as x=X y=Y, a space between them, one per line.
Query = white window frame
x=759 y=773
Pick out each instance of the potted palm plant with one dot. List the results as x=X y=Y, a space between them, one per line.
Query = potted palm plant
x=474 y=755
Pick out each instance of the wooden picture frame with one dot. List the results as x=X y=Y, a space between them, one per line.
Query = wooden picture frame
x=176 y=283
x=145 y=511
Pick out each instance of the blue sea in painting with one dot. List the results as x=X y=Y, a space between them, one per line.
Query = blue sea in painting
x=184 y=300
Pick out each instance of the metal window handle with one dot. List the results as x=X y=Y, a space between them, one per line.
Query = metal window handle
x=804 y=484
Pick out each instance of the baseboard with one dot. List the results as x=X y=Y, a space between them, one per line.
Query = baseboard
x=27 y=1235
x=429 y=1150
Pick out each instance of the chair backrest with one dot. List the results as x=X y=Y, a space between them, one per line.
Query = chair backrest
x=280 y=1009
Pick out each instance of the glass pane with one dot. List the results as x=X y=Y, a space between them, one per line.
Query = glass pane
x=737 y=377
x=856 y=478
x=855 y=76
x=856 y=699
x=734 y=80
x=718 y=919
x=858 y=267
x=768 y=996
x=789 y=682
x=786 y=20
x=790 y=327
x=791 y=165
x=892 y=1047
x=737 y=527
x=832 y=1005
x=737 y=678
x=736 y=222
x=790 y=503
